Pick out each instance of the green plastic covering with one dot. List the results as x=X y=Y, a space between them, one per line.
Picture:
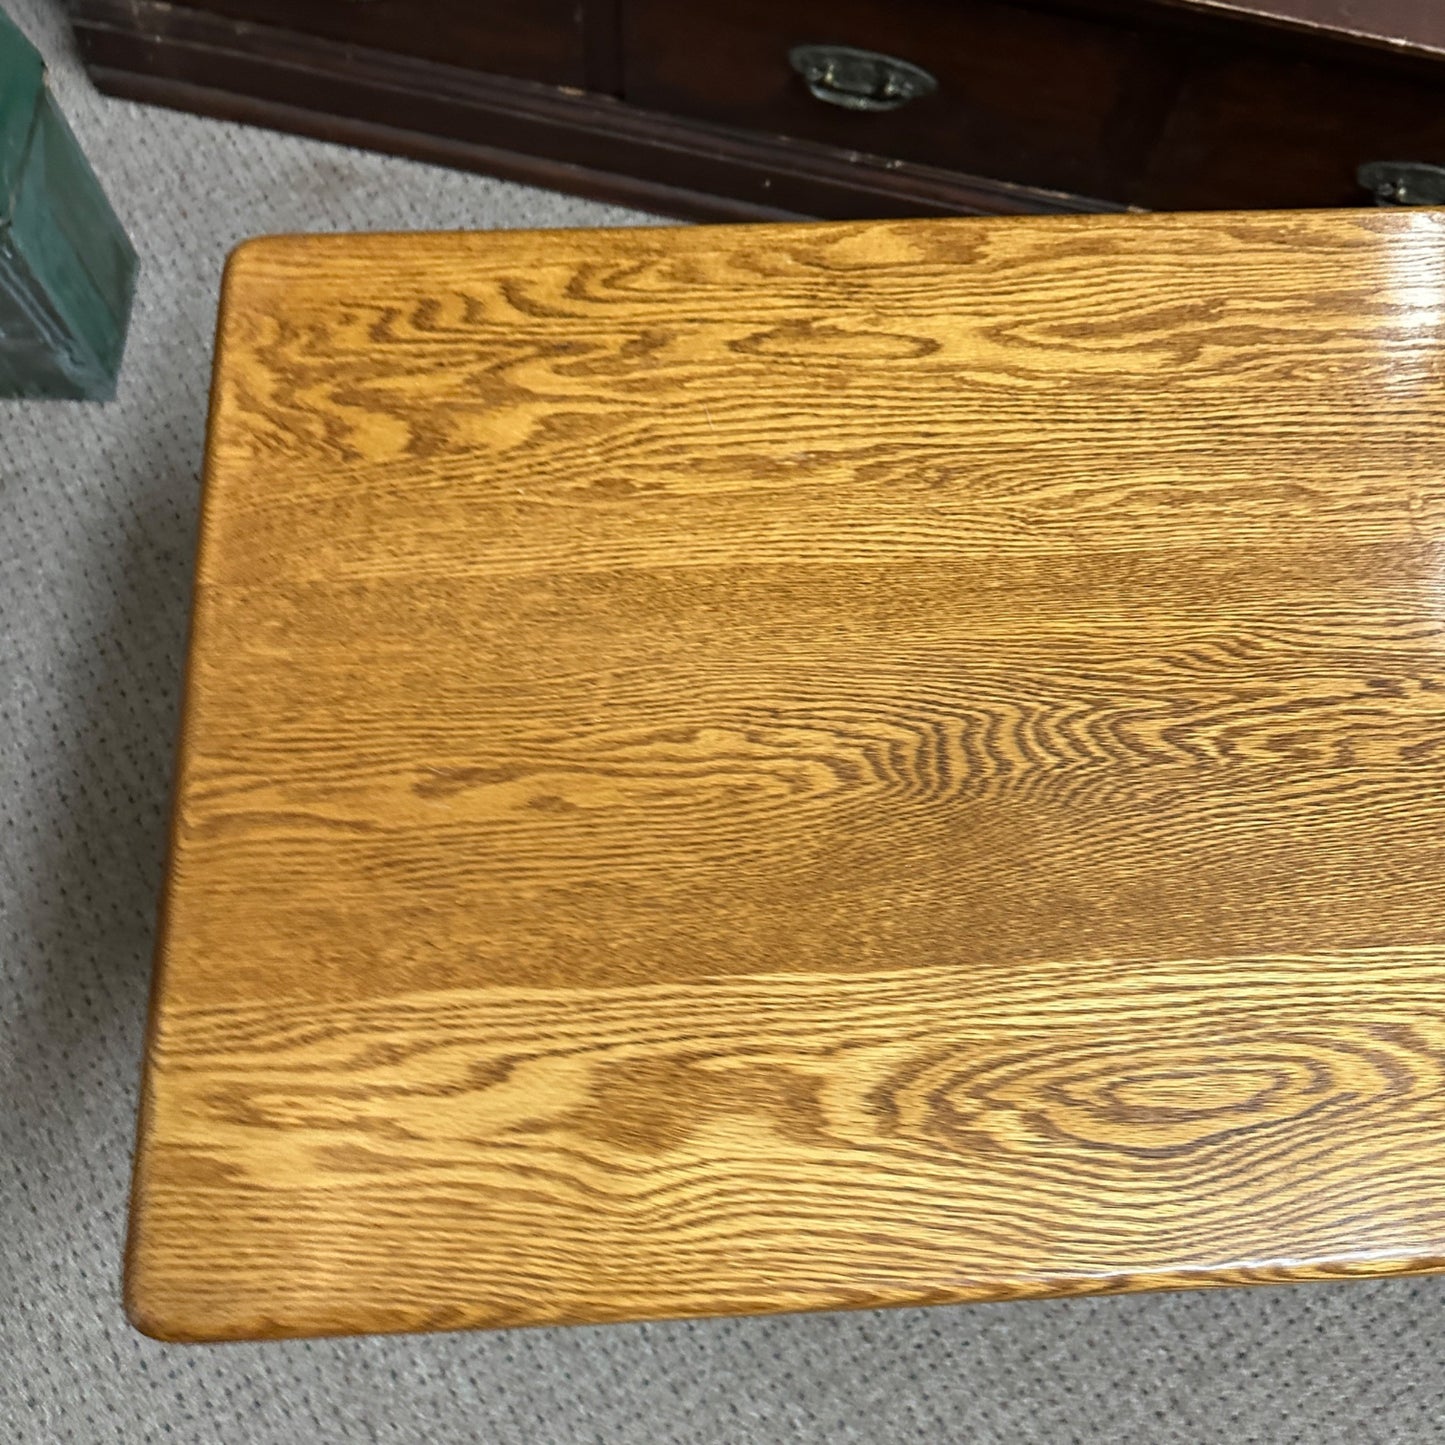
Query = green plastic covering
x=67 y=270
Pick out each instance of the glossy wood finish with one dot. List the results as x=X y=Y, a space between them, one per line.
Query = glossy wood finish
x=795 y=767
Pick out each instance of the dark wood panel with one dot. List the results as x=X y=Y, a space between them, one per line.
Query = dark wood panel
x=1377 y=33
x=602 y=34
x=1043 y=104
x=1048 y=99
x=1416 y=26
x=1264 y=130
x=535 y=39
x=586 y=144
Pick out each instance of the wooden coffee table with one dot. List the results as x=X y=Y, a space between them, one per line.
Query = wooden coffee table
x=796 y=767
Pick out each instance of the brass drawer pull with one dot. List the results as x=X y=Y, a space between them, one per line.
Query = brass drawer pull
x=859 y=79
x=1403 y=183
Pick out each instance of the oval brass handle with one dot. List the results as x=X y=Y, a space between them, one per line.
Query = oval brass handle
x=859 y=79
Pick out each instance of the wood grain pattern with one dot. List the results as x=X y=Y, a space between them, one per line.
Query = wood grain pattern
x=806 y=766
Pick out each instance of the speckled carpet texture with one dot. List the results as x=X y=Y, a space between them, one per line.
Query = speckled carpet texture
x=97 y=520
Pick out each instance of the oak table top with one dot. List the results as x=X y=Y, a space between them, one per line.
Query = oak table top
x=787 y=767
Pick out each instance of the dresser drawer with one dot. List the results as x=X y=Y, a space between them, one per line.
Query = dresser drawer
x=1046 y=99
x=1269 y=130
x=531 y=39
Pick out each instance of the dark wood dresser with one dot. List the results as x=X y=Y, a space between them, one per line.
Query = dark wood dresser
x=775 y=108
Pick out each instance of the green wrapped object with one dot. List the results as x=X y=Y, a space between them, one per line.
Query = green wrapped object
x=67 y=270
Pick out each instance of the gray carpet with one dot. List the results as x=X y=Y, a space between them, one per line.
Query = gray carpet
x=97 y=512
